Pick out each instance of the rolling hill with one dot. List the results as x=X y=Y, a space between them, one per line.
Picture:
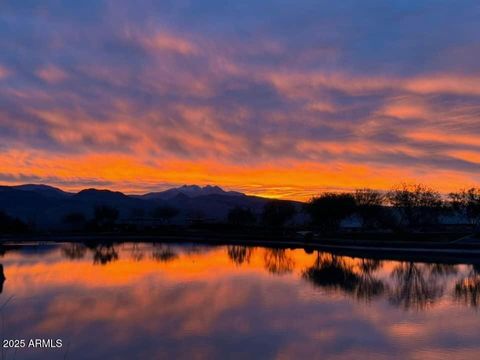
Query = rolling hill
x=47 y=206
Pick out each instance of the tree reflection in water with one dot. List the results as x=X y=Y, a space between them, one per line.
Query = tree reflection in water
x=163 y=253
x=74 y=251
x=333 y=272
x=104 y=254
x=137 y=252
x=415 y=287
x=467 y=290
x=369 y=286
x=278 y=262
x=442 y=270
x=369 y=266
x=239 y=254
x=410 y=285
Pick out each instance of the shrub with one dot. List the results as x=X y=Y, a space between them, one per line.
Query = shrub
x=241 y=216
x=277 y=213
x=329 y=209
x=370 y=207
x=417 y=204
x=467 y=204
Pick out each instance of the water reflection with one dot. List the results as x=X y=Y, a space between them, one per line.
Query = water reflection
x=409 y=285
x=467 y=289
x=74 y=251
x=137 y=253
x=104 y=254
x=163 y=253
x=169 y=300
x=239 y=254
x=369 y=286
x=438 y=269
x=334 y=272
x=414 y=286
x=278 y=261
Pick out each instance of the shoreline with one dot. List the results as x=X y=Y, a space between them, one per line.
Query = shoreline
x=453 y=251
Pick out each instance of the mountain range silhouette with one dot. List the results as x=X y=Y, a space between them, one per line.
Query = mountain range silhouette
x=46 y=206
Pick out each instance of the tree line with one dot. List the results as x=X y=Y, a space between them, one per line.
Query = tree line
x=403 y=207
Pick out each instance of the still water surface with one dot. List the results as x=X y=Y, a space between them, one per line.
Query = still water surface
x=172 y=301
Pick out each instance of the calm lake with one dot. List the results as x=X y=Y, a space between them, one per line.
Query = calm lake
x=173 y=301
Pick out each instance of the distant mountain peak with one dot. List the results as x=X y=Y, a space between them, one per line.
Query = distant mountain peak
x=31 y=187
x=188 y=187
x=94 y=192
x=45 y=190
x=191 y=191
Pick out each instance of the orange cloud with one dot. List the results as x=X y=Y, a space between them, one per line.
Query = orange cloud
x=467 y=156
x=263 y=131
x=293 y=180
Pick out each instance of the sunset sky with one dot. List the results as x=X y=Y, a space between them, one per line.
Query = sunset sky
x=276 y=98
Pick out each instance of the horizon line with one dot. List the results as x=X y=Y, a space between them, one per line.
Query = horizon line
x=322 y=190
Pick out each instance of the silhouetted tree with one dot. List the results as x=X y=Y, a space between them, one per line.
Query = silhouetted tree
x=165 y=213
x=329 y=209
x=416 y=204
x=239 y=254
x=105 y=217
x=241 y=216
x=467 y=204
x=370 y=207
x=75 y=220
x=277 y=213
x=10 y=225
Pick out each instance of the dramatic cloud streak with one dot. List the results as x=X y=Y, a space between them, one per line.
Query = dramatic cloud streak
x=277 y=99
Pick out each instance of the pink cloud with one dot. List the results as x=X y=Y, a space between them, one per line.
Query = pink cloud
x=444 y=83
x=52 y=74
x=4 y=72
x=162 y=41
x=170 y=43
x=301 y=84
